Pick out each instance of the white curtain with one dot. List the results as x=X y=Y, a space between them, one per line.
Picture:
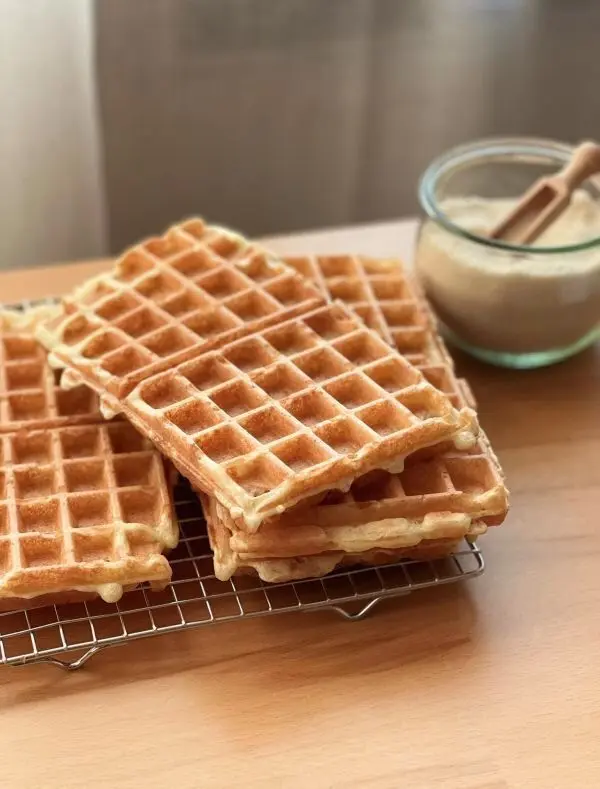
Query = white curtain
x=51 y=191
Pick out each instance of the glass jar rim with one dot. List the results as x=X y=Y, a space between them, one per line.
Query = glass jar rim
x=493 y=146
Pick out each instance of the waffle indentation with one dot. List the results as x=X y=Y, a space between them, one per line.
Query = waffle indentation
x=310 y=408
x=31 y=448
x=193 y=416
x=26 y=375
x=76 y=402
x=81 y=442
x=259 y=475
x=302 y=452
x=345 y=435
x=386 y=417
x=393 y=375
x=38 y=516
x=89 y=509
x=164 y=391
x=238 y=397
x=206 y=373
x=194 y=263
x=268 y=424
x=33 y=482
x=353 y=390
x=117 y=306
x=93 y=546
x=40 y=550
x=139 y=506
x=82 y=475
x=27 y=406
x=281 y=381
x=226 y=442
x=16 y=347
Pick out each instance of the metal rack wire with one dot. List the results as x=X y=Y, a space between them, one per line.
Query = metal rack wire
x=68 y=635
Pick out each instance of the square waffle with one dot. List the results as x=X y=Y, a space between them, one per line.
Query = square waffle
x=291 y=411
x=82 y=509
x=170 y=298
x=84 y=505
x=296 y=568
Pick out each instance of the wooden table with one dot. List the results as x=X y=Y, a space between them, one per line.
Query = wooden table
x=490 y=684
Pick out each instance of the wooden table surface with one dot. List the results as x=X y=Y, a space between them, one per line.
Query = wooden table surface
x=490 y=684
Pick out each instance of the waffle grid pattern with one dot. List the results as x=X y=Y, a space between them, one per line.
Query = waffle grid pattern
x=426 y=509
x=68 y=635
x=30 y=395
x=390 y=302
x=467 y=483
x=276 y=414
x=378 y=291
x=81 y=506
x=171 y=297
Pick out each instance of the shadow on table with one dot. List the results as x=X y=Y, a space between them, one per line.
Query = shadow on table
x=236 y=669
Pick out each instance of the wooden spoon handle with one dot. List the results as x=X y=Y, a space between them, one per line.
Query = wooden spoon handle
x=585 y=162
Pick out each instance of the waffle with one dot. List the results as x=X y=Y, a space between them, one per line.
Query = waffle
x=170 y=298
x=84 y=510
x=432 y=503
x=291 y=411
x=84 y=506
x=30 y=396
x=421 y=513
x=300 y=567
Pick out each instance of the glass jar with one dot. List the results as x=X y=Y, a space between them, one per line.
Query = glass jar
x=515 y=306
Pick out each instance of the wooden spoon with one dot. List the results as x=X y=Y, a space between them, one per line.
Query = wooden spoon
x=546 y=200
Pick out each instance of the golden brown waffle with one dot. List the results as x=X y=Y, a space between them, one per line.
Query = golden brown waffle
x=170 y=298
x=440 y=499
x=420 y=513
x=300 y=567
x=274 y=570
x=83 y=510
x=30 y=396
x=291 y=411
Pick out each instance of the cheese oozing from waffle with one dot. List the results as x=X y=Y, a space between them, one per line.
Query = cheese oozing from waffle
x=431 y=505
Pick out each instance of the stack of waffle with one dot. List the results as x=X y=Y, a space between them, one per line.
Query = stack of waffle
x=309 y=402
x=85 y=506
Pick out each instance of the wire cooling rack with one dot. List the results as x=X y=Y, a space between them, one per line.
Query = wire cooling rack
x=69 y=635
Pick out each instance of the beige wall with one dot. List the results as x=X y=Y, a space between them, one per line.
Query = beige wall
x=270 y=115
x=51 y=197
x=275 y=115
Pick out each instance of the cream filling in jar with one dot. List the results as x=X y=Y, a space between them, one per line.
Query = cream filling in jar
x=513 y=301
